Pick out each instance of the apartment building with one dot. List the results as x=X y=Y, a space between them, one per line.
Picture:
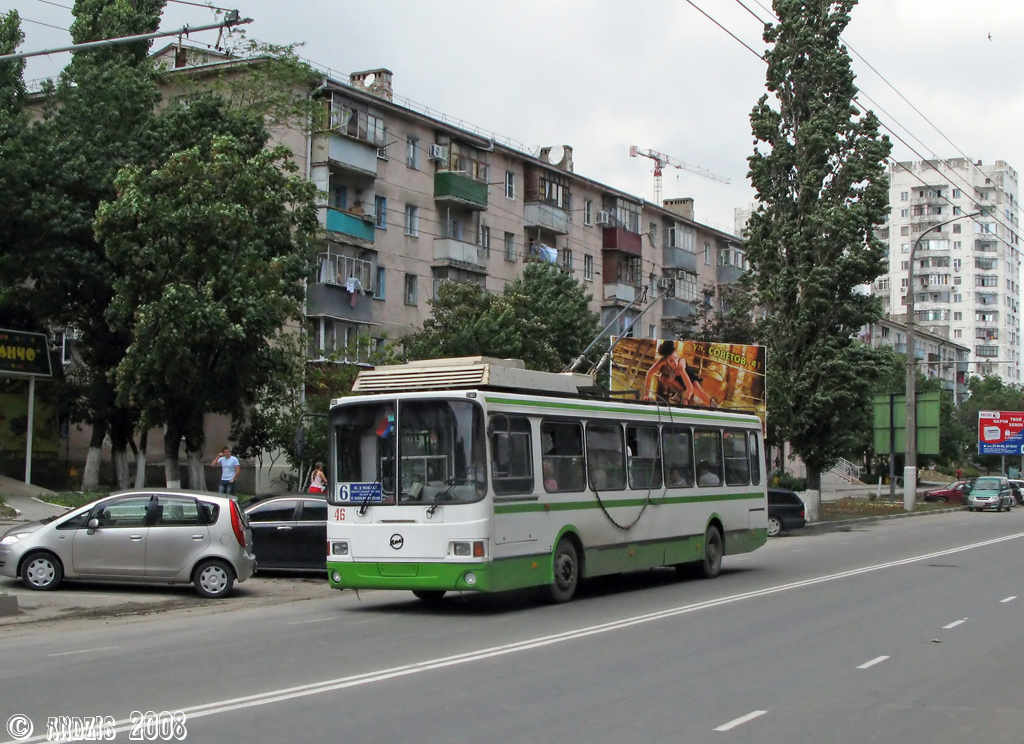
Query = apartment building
x=963 y=217
x=938 y=356
x=412 y=200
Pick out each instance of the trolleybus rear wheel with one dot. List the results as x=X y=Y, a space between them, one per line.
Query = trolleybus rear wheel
x=566 y=571
x=429 y=595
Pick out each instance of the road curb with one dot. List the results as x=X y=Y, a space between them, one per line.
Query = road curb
x=842 y=525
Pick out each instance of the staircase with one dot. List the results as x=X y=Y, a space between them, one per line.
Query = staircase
x=846 y=470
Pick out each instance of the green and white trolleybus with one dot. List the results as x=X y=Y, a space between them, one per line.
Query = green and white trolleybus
x=476 y=474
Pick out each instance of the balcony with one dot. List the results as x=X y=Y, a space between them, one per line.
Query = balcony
x=356 y=156
x=618 y=239
x=677 y=258
x=452 y=187
x=676 y=309
x=546 y=216
x=726 y=274
x=460 y=253
x=355 y=226
x=620 y=292
x=335 y=301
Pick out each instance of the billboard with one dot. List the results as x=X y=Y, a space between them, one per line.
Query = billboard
x=1001 y=432
x=691 y=373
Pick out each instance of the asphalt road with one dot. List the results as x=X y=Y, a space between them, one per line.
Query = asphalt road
x=900 y=631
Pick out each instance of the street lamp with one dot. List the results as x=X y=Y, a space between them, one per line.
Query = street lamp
x=910 y=460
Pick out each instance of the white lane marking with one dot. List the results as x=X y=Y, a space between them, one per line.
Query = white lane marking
x=876 y=660
x=954 y=624
x=316 y=620
x=340 y=683
x=799 y=550
x=1008 y=599
x=741 y=720
x=84 y=651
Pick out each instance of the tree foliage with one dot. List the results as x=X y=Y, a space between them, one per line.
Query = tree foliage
x=819 y=172
x=541 y=317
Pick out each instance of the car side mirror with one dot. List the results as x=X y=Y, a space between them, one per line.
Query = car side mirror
x=93 y=524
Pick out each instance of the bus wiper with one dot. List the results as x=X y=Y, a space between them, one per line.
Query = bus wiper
x=447 y=492
x=366 y=502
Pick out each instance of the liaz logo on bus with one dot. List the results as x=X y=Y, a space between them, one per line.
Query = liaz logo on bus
x=360 y=493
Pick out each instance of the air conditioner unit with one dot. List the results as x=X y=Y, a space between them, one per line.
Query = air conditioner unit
x=437 y=152
x=603 y=218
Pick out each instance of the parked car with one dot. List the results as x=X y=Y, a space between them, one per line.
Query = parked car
x=172 y=537
x=990 y=492
x=785 y=511
x=1018 y=494
x=290 y=532
x=953 y=493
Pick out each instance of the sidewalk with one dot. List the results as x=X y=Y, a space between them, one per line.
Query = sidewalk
x=28 y=500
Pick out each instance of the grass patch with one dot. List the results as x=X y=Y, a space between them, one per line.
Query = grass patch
x=6 y=512
x=853 y=508
x=75 y=499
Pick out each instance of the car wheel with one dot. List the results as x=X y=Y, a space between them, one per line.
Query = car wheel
x=214 y=579
x=566 y=570
x=42 y=571
x=429 y=595
x=711 y=566
x=970 y=508
x=774 y=526
x=942 y=500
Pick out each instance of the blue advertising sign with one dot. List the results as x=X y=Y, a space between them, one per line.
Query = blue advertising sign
x=360 y=493
x=1001 y=432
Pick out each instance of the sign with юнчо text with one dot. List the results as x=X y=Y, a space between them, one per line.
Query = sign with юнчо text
x=1001 y=432
x=23 y=353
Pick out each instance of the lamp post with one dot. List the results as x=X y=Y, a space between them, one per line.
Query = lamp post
x=910 y=459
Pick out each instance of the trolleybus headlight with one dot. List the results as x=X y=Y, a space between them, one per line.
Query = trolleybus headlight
x=466 y=549
x=459 y=548
x=339 y=548
x=336 y=577
x=470 y=578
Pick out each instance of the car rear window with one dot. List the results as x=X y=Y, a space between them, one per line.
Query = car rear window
x=783 y=497
x=211 y=510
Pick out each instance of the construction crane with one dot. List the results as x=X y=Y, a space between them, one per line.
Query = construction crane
x=662 y=161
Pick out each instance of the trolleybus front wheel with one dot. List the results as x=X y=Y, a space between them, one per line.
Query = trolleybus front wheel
x=566 y=572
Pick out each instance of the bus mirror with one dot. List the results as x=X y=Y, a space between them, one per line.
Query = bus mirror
x=300 y=443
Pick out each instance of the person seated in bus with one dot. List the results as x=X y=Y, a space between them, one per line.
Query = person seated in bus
x=550 y=482
x=676 y=478
x=706 y=476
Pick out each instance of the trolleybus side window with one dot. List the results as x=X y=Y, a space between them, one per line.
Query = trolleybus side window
x=737 y=461
x=678 y=447
x=512 y=454
x=755 y=460
x=707 y=449
x=644 y=452
x=605 y=457
x=562 y=453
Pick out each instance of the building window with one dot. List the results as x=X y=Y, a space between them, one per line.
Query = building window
x=956 y=193
x=588 y=212
x=707 y=254
x=958 y=228
x=510 y=185
x=381 y=206
x=410 y=289
x=958 y=316
x=412 y=220
x=412 y=153
x=510 y=246
x=378 y=287
x=566 y=259
x=904 y=213
x=904 y=196
x=588 y=268
x=904 y=230
x=375 y=130
x=338 y=196
x=957 y=245
x=484 y=241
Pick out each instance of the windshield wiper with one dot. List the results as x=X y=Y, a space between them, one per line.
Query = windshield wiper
x=447 y=492
x=369 y=495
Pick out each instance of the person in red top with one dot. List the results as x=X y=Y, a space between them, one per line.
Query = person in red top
x=959 y=474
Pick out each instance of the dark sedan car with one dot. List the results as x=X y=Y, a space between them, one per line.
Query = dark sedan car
x=289 y=532
x=785 y=511
x=952 y=493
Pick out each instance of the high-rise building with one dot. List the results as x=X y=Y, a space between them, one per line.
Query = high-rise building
x=962 y=216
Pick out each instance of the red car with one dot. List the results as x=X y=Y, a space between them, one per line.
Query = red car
x=950 y=494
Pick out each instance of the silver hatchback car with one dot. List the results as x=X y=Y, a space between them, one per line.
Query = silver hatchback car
x=173 y=537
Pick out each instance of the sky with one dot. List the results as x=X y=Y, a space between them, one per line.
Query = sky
x=664 y=75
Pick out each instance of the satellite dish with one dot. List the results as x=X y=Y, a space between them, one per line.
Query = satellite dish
x=368 y=80
x=556 y=154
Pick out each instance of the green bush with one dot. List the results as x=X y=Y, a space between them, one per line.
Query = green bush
x=75 y=499
x=782 y=479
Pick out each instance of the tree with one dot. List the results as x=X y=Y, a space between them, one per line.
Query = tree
x=987 y=393
x=541 y=317
x=212 y=249
x=819 y=172
x=725 y=318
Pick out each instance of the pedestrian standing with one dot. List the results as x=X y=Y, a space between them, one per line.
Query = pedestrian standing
x=959 y=474
x=317 y=479
x=229 y=470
